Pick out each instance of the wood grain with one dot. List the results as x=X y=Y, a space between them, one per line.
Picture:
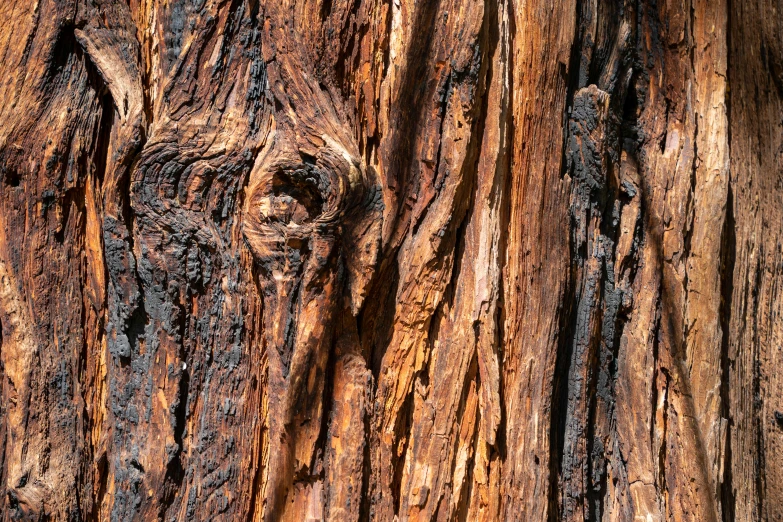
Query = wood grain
x=391 y=260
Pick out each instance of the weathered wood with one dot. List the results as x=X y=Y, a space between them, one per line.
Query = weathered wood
x=391 y=260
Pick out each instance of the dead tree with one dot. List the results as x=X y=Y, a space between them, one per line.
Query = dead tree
x=391 y=260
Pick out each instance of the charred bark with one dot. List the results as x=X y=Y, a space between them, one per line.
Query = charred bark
x=387 y=260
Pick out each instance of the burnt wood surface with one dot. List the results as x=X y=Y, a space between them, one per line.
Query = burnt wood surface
x=391 y=260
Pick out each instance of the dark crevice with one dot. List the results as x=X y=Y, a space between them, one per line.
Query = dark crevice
x=557 y=419
x=103 y=138
x=402 y=428
x=412 y=99
x=449 y=293
x=727 y=260
x=326 y=9
x=660 y=453
x=601 y=393
x=728 y=254
x=690 y=209
x=567 y=321
x=444 y=93
x=758 y=399
x=365 y=507
x=175 y=471
x=377 y=319
x=102 y=474
x=321 y=444
x=61 y=53
x=504 y=163
x=662 y=449
x=134 y=330
x=10 y=176
x=572 y=80
x=286 y=351
x=373 y=143
x=463 y=501
x=258 y=465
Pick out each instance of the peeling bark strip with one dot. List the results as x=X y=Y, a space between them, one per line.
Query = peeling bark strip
x=464 y=260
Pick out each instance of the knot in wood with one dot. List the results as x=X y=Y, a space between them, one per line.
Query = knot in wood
x=296 y=199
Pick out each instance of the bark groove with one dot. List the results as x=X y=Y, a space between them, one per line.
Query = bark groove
x=347 y=260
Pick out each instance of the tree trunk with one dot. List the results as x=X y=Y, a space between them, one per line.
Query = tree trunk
x=391 y=260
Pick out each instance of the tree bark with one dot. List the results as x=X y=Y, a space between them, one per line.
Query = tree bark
x=391 y=260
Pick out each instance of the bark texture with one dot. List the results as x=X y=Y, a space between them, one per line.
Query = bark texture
x=391 y=260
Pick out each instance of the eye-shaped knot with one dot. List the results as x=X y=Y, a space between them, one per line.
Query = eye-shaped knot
x=301 y=204
x=296 y=196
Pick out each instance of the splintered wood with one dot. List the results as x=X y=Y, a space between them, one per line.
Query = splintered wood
x=391 y=260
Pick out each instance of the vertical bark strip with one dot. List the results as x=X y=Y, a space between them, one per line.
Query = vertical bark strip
x=391 y=260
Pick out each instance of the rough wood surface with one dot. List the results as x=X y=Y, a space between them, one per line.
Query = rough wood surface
x=391 y=260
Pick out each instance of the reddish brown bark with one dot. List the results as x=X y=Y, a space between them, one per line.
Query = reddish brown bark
x=391 y=260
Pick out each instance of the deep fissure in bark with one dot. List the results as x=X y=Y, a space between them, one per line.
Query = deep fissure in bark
x=387 y=260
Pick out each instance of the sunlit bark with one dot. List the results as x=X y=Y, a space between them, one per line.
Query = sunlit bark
x=388 y=260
